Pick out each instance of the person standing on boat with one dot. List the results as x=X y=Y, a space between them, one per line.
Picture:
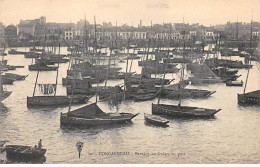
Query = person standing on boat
x=40 y=144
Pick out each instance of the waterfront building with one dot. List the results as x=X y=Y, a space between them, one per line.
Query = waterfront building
x=11 y=34
x=29 y=26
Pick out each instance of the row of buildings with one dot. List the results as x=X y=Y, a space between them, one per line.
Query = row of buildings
x=39 y=29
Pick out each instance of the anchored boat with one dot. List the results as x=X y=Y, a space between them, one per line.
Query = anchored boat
x=92 y=115
x=155 y=119
x=24 y=151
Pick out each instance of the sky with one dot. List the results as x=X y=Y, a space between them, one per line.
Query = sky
x=205 y=12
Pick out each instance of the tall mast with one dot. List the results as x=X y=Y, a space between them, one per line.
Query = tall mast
x=109 y=62
x=98 y=65
x=182 y=64
x=95 y=34
x=116 y=35
x=57 y=72
x=86 y=35
x=36 y=79
x=237 y=29
x=126 y=66
x=249 y=59
x=1 y=86
x=159 y=98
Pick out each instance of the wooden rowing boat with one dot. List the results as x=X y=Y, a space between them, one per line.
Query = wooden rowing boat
x=155 y=119
x=24 y=151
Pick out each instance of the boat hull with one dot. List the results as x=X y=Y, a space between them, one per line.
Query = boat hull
x=42 y=68
x=4 y=95
x=67 y=120
x=196 y=81
x=156 y=120
x=23 y=151
x=247 y=99
x=55 y=100
x=182 y=111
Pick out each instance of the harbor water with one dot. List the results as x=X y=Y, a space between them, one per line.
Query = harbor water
x=232 y=136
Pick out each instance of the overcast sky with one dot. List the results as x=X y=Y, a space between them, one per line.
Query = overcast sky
x=206 y=12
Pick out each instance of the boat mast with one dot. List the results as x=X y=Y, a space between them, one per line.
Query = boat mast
x=145 y=63
x=73 y=81
x=116 y=35
x=1 y=86
x=98 y=62
x=86 y=36
x=36 y=79
x=95 y=34
x=126 y=66
x=108 y=67
x=249 y=57
x=57 y=72
x=182 y=65
x=162 y=83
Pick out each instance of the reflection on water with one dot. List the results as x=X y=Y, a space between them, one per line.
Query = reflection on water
x=15 y=160
x=95 y=130
x=232 y=136
x=155 y=125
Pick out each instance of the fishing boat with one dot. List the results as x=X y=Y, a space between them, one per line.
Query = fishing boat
x=31 y=55
x=234 y=83
x=250 y=98
x=16 y=76
x=186 y=93
x=92 y=115
x=182 y=111
x=145 y=96
x=205 y=80
x=155 y=119
x=41 y=101
x=15 y=52
x=177 y=60
x=24 y=151
x=42 y=67
x=52 y=100
x=5 y=80
x=136 y=79
x=179 y=110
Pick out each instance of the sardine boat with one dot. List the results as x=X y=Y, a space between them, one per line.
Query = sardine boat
x=24 y=151
x=56 y=100
x=155 y=119
x=182 y=111
x=145 y=97
x=250 y=98
x=92 y=115
x=36 y=67
x=16 y=76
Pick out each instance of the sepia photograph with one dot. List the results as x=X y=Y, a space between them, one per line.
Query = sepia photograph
x=129 y=82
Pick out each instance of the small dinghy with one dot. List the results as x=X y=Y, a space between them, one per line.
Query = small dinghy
x=24 y=151
x=155 y=119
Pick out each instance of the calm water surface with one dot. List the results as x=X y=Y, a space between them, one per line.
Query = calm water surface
x=231 y=137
